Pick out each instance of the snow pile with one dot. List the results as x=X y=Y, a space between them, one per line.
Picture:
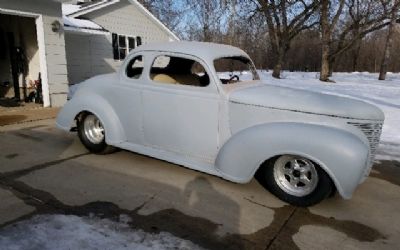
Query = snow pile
x=80 y=23
x=68 y=9
x=73 y=232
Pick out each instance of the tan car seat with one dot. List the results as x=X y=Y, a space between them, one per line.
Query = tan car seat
x=177 y=79
x=163 y=78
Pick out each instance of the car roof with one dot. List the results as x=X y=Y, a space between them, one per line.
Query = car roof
x=204 y=50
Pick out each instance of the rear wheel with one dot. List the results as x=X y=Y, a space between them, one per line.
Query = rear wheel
x=296 y=180
x=92 y=134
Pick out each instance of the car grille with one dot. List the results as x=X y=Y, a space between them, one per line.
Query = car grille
x=373 y=133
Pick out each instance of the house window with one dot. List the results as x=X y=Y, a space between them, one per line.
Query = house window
x=131 y=43
x=138 y=40
x=122 y=45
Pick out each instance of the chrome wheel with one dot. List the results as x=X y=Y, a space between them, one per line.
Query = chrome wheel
x=295 y=175
x=93 y=129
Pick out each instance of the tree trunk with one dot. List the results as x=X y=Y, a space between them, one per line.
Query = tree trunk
x=331 y=65
x=325 y=68
x=276 y=73
x=388 y=46
x=356 y=54
x=325 y=32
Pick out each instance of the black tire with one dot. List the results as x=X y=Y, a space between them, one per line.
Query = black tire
x=97 y=148
x=323 y=189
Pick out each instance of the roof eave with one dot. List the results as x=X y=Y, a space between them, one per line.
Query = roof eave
x=92 y=7
x=86 y=30
x=106 y=3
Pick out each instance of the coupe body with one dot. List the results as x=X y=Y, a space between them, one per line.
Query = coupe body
x=203 y=106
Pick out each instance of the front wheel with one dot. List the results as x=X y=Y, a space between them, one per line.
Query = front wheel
x=296 y=180
x=92 y=134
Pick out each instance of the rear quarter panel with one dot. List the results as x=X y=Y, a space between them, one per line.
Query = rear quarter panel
x=92 y=96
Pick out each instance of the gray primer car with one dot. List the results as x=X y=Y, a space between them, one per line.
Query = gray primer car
x=301 y=145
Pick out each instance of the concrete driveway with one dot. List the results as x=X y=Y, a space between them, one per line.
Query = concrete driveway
x=46 y=171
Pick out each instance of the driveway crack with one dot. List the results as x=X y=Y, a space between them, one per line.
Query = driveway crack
x=281 y=228
x=256 y=203
x=145 y=203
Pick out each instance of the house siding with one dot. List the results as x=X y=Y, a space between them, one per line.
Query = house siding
x=88 y=55
x=56 y=61
x=126 y=19
x=91 y=54
x=54 y=44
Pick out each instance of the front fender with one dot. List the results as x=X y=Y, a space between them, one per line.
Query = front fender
x=341 y=154
x=85 y=100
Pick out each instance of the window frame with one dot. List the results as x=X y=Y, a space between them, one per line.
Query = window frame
x=127 y=49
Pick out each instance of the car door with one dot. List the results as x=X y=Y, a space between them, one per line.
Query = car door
x=180 y=109
x=127 y=99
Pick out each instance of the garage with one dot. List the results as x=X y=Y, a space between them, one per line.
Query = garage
x=33 y=69
x=20 y=72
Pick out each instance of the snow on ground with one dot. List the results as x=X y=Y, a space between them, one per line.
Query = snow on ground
x=72 y=232
x=360 y=85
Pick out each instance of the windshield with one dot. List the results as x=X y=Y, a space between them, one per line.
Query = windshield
x=235 y=69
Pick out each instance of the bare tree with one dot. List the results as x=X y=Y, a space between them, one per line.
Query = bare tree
x=340 y=32
x=327 y=28
x=167 y=12
x=205 y=18
x=244 y=24
x=285 y=20
x=305 y=52
x=355 y=12
x=389 y=40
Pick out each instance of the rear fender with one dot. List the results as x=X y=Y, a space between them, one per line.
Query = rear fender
x=99 y=106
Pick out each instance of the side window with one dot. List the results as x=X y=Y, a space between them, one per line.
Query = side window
x=135 y=67
x=178 y=70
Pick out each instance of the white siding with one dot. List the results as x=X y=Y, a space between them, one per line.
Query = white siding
x=90 y=54
x=126 y=19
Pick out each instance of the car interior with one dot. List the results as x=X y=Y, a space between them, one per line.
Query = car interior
x=230 y=69
x=178 y=70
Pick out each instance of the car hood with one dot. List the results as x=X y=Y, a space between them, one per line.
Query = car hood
x=285 y=98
